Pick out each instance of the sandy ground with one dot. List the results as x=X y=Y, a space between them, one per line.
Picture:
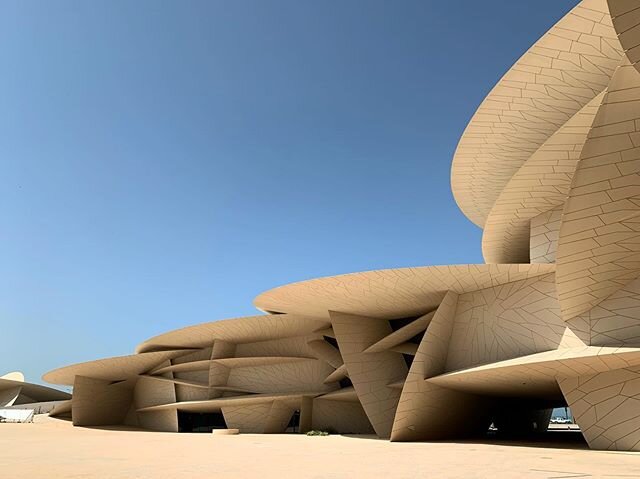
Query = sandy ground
x=52 y=448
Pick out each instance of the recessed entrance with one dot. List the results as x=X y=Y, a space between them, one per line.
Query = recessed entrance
x=294 y=422
x=200 y=421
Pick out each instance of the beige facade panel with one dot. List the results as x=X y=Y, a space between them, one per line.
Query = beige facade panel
x=282 y=378
x=370 y=373
x=230 y=363
x=391 y=293
x=409 y=349
x=151 y=392
x=427 y=411
x=99 y=402
x=165 y=421
x=260 y=361
x=341 y=417
x=218 y=378
x=248 y=419
x=280 y=415
x=218 y=373
x=327 y=332
x=615 y=321
x=306 y=414
x=337 y=375
x=194 y=377
x=399 y=337
x=188 y=393
x=63 y=408
x=626 y=21
x=409 y=422
x=539 y=186
x=326 y=352
x=543 y=236
x=606 y=407
x=344 y=394
x=232 y=389
x=536 y=375
x=199 y=365
x=183 y=382
x=239 y=330
x=599 y=243
x=112 y=369
x=296 y=347
x=194 y=355
x=264 y=418
x=561 y=72
x=398 y=384
x=507 y=321
x=218 y=403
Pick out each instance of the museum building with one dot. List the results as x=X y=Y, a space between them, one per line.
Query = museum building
x=549 y=168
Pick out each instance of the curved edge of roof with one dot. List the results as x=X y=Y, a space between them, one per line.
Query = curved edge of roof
x=540 y=185
x=115 y=368
x=548 y=84
x=34 y=391
x=14 y=376
x=241 y=329
x=445 y=276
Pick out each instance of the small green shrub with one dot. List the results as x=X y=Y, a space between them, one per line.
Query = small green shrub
x=317 y=433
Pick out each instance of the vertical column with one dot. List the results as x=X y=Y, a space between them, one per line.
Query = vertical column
x=370 y=373
x=606 y=406
x=218 y=374
x=427 y=411
x=306 y=414
x=153 y=392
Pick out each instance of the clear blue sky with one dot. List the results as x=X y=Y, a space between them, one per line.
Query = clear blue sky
x=162 y=163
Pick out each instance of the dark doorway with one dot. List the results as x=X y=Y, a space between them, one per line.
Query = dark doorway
x=200 y=421
x=294 y=423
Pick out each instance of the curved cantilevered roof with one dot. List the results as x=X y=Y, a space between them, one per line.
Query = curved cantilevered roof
x=391 y=293
x=541 y=184
x=239 y=330
x=537 y=374
x=599 y=239
x=34 y=392
x=204 y=364
x=118 y=368
x=564 y=70
x=208 y=405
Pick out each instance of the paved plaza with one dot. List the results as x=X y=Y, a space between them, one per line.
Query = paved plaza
x=51 y=448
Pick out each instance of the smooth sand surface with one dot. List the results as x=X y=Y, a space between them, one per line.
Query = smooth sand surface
x=51 y=448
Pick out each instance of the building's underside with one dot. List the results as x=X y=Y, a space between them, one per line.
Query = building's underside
x=549 y=168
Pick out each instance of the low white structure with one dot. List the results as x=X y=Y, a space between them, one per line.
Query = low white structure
x=16 y=415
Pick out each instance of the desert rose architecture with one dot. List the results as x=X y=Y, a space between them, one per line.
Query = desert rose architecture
x=549 y=167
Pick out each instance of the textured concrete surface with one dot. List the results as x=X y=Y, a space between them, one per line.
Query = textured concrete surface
x=52 y=448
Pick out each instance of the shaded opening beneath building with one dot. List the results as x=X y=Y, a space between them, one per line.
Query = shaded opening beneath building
x=294 y=423
x=533 y=421
x=200 y=421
